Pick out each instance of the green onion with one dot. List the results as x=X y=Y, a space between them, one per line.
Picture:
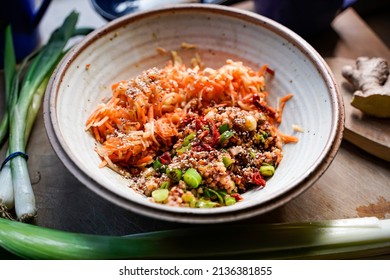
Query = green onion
x=258 y=138
x=6 y=191
x=189 y=138
x=40 y=68
x=252 y=153
x=9 y=75
x=192 y=178
x=164 y=185
x=225 y=136
x=186 y=143
x=224 y=127
x=205 y=203
x=222 y=192
x=264 y=134
x=174 y=174
x=188 y=197
x=160 y=195
x=6 y=182
x=267 y=170
x=227 y=161
x=182 y=150
x=157 y=165
x=212 y=192
x=23 y=108
x=229 y=200
x=337 y=239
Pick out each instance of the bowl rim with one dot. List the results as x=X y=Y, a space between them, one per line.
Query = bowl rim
x=331 y=148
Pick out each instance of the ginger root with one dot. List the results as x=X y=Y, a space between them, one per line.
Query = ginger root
x=371 y=83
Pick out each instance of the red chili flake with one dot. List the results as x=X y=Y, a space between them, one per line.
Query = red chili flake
x=258 y=180
x=165 y=158
x=199 y=123
x=264 y=108
x=209 y=137
x=215 y=133
x=236 y=196
x=87 y=66
x=270 y=71
x=200 y=147
x=206 y=147
x=197 y=148
x=203 y=134
x=186 y=121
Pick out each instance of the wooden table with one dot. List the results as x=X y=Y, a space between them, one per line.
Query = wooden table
x=356 y=184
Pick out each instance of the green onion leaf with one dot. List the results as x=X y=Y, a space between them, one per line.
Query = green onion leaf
x=205 y=203
x=174 y=174
x=157 y=165
x=224 y=127
x=225 y=136
x=164 y=185
x=218 y=195
x=227 y=161
x=160 y=195
x=267 y=170
x=189 y=138
x=229 y=200
x=9 y=75
x=188 y=197
x=192 y=178
x=182 y=150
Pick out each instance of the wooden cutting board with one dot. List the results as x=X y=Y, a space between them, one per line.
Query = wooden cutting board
x=369 y=133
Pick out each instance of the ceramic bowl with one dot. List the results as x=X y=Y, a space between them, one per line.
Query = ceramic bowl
x=126 y=46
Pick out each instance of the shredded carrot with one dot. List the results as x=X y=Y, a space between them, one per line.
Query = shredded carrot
x=282 y=103
x=144 y=113
x=165 y=128
x=263 y=69
x=287 y=138
x=144 y=160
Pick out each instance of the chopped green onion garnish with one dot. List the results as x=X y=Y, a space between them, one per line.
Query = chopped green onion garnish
x=164 y=185
x=214 y=192
x=160 y=195
x=222 y=192
x=229 y=200
x=174 y=174
x=192 y=178
x=223 y=128
x=258 y=138
x=227 y=161
x=189 y=138
x=225 y=136
x=204 y=203
x=206 y=193
x=188 y=197
x=252 y=153
x=264 y=134
x=157 y=165
x=182 y=150
x=267 y=170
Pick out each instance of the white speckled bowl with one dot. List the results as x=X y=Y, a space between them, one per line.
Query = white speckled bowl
x=126 y=46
